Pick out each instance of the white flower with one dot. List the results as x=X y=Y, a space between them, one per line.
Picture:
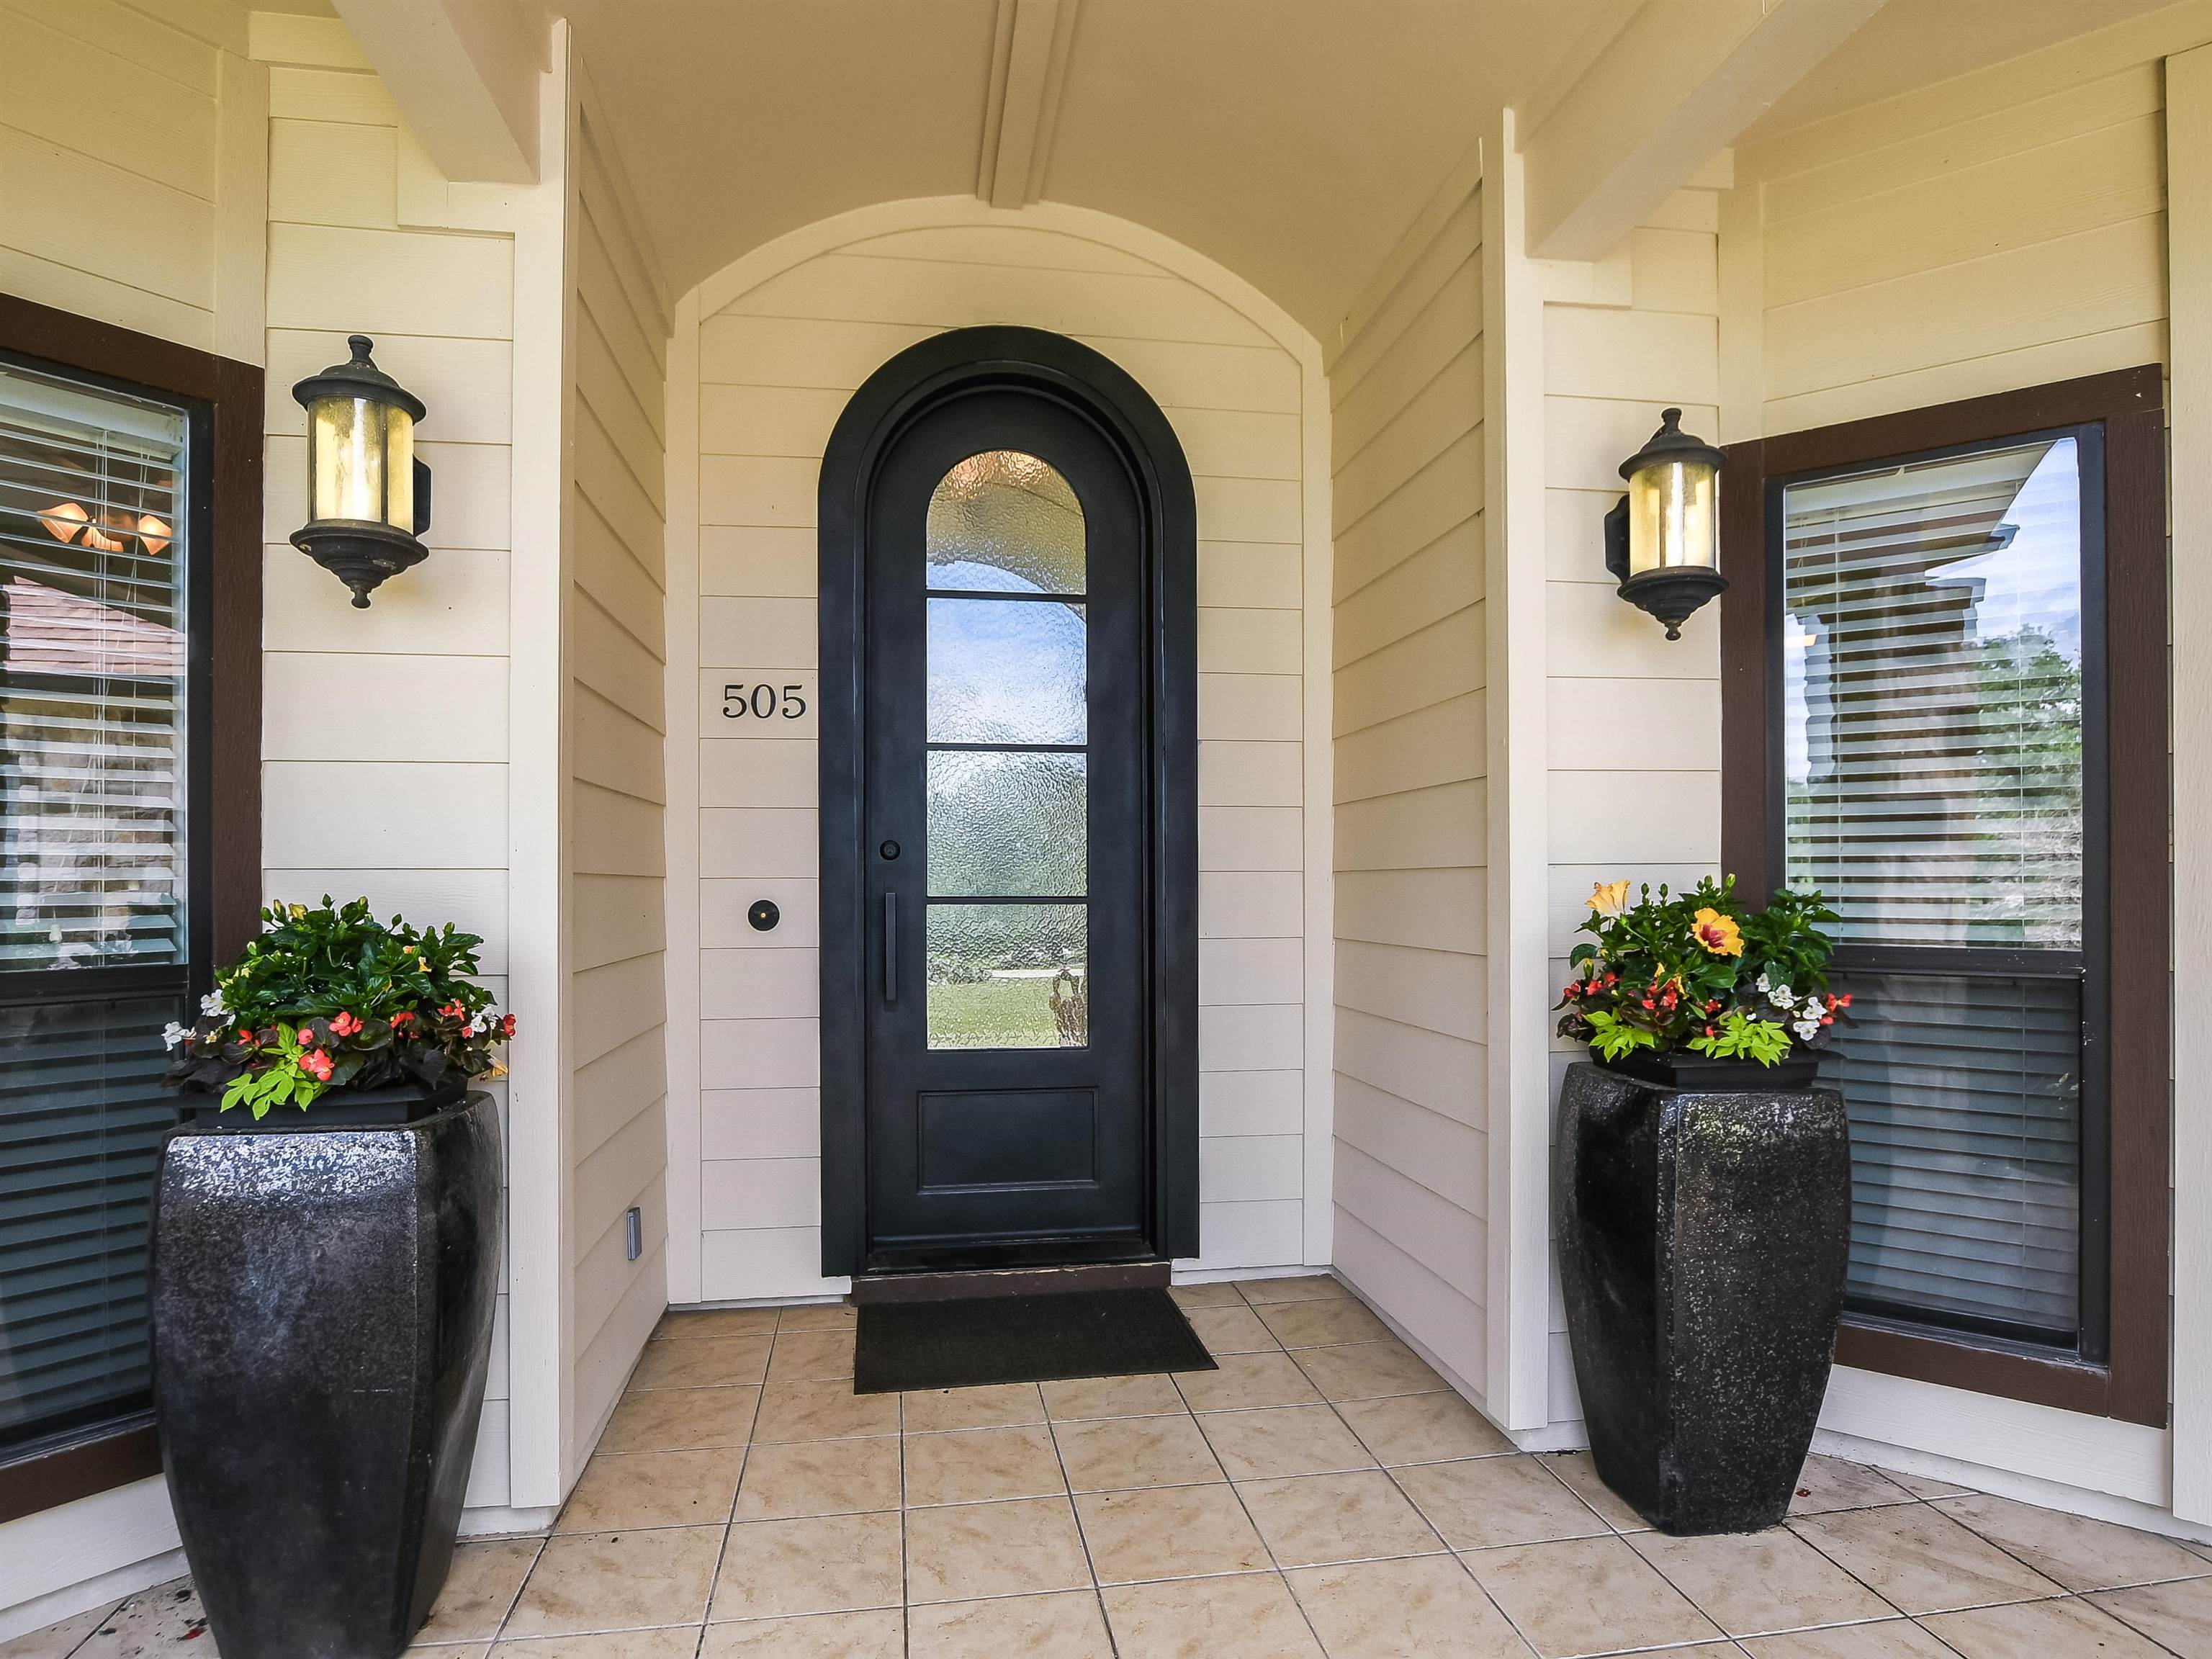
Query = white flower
x=1782 y=997
x=1808 y=1028
x=1762 y=984
x=211 y=1005
x=172 y=1034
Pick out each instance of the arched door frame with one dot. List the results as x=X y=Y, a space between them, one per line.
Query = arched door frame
x=921 y=379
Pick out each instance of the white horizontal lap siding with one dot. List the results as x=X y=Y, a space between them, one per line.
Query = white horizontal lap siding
x=118 y=178
x=384 y=731
x=1412 y=1157
x=1645 y=808
x=615 y=850
x=776 y=367
x=2021 y=238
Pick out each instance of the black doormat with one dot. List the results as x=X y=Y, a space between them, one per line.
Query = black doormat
x=1022 y=1339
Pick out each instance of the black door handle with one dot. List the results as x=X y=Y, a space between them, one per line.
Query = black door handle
x=891 y=947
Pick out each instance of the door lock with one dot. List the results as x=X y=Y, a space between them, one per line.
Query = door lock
x=890 y=849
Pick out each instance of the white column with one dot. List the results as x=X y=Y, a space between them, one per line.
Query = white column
x=1519 y=1087
x=2189 y=252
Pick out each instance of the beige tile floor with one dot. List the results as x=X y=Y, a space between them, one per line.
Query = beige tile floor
x=1321 y=1494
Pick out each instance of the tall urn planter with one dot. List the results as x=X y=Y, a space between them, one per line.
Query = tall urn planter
x=322 y=1296
x=1704 y=1233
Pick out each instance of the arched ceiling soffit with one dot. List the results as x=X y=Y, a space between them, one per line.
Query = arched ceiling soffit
x=1291 y=141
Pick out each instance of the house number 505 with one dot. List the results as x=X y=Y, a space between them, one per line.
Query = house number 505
x=762 y=701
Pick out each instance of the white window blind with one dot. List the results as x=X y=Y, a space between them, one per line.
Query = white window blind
x=93 y=884
x=1934 y=790
x=92 y=682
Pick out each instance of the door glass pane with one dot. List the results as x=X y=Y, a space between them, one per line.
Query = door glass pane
x=1932 y=713
x=1008 y=976
x=1932 y=729
x=1007 y=672
x=1005 y=522
x=92 y=677
x=1011 y=824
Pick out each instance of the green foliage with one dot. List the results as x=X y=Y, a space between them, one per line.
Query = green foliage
x=330 y=998
x=1739 y=1037
x=1702 y=971
x=1612 y=1037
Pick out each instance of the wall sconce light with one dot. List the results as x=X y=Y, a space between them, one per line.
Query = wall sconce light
x=368 y=498
x=1662 y=538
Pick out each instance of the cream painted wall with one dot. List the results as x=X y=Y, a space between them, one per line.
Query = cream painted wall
x=2000 y=230
x=1632 y=719
x=615 y=991
x=133 y=165
x=1411 y=735
x=408 y=699
x=778 y=344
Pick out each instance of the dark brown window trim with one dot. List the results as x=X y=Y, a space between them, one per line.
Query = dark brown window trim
x=113 y=1458
x=2132 y=1387
x=128 y=1452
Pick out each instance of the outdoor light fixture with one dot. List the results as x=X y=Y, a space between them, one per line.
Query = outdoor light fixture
x=1662 y=538
x=368 y=498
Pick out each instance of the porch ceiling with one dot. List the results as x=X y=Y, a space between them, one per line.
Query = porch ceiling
x=1292 y=140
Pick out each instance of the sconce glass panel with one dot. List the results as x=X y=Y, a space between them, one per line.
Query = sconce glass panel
x=348 y=439
x=1672 y=518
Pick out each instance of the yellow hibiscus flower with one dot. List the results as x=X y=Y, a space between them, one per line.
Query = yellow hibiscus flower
x=1608 y=898
x=1717 y=934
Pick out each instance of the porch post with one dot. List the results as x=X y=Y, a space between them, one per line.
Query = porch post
x=2188 y=252
x=1519 y=1082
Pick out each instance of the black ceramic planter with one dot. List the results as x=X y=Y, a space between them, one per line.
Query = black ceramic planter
x=1703 y=1236
x=322 y=1322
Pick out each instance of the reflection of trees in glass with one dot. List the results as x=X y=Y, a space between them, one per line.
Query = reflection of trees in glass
x=2028 y=779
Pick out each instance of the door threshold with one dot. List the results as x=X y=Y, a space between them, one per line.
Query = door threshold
x=971 y=1284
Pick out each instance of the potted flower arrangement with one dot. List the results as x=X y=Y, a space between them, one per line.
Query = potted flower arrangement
x=1701 y=1191
x=1695 y=987
x=326 y=1247
x=376 y=1022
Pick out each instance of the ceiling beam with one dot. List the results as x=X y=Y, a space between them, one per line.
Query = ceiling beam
x=1672 y=86
x=465 y=74
x=1028 y=64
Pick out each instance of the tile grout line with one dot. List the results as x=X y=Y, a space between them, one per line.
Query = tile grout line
x=1289 y=1588
x=2065 y=1593
x=1082 y=1536
x=906 y=1584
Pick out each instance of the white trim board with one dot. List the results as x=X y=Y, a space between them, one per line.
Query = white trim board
x=2188 y=231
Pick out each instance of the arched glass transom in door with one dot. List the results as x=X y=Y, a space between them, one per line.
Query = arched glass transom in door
x=1008 y=729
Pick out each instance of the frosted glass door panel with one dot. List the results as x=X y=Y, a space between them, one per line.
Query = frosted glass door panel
x=1008 y=824
x=1007 y=977
x=1006 y=672
x=1005 y=522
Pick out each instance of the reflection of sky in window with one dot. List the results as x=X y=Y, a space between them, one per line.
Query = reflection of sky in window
x=1007 y=672
x=2034 y=580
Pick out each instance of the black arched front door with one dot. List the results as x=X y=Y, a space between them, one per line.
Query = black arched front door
x=1008 y=815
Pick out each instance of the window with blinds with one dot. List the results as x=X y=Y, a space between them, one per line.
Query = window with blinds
x=94 y=882
x=1935 y=788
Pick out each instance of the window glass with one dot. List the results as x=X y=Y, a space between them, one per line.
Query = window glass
x=1933 y=698
x=95 y=951
x=1934 y=789
x=92 y=684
